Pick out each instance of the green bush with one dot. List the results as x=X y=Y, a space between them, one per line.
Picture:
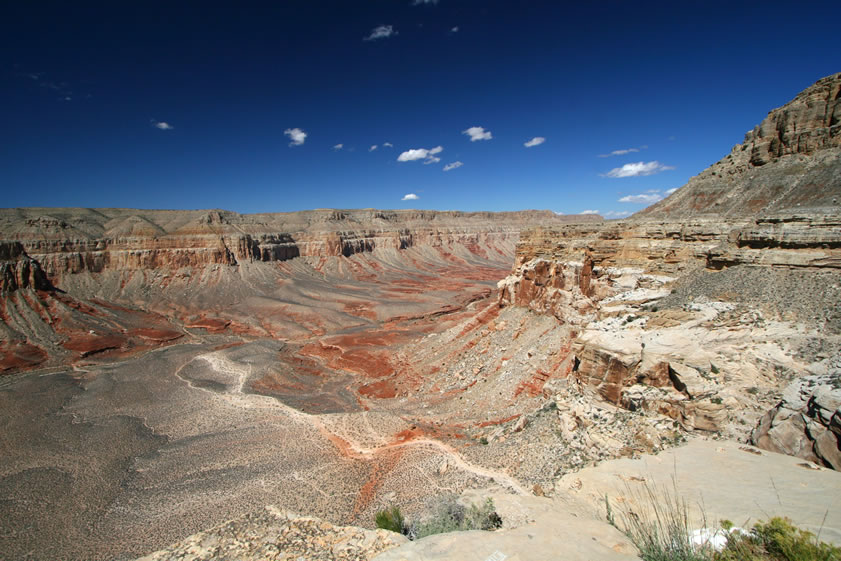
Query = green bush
x=661 y=532
x=777 y=540
x=391 y=519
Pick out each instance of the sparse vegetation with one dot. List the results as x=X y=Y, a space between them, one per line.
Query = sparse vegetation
x=448 y=515
x=713 y=368
x=777 y=540
x=391 y=519
x=483 y=441
x=662 y=531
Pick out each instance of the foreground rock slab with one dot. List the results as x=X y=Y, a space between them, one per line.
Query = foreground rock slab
x=718 y=480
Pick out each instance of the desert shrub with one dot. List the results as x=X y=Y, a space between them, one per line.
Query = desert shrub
x=661 y=528
x=391 y=519
x=483 y=441
x=777 y=540
x=661 y=531
x=449 y=515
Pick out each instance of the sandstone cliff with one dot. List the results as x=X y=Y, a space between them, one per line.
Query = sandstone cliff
x=791 y=162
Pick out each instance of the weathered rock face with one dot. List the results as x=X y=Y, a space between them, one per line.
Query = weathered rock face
x=68 y=241
x=806 y=423
x=790 y=162
x=18 y=270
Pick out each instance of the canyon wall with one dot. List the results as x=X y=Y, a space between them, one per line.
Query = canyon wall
x=68 y=241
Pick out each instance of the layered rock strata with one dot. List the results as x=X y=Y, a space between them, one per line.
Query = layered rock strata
x=68 y=241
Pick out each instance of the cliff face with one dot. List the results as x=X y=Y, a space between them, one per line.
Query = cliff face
x=18 y=270
x=791 y=162
x=67 y=241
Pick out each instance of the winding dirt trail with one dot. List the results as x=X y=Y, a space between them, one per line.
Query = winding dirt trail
x=346 y=445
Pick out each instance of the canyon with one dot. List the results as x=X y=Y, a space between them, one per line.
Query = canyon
x=163 y=372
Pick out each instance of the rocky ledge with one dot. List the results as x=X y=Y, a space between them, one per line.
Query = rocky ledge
x=275 y=535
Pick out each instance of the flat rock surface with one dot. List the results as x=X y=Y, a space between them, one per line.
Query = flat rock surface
x=725 y=480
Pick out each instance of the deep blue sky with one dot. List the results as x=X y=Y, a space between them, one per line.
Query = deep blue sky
x=89 y=89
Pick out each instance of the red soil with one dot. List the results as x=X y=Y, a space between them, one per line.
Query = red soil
x=497 y=421
x=383 y=389
x=87 y=344
x=16 y=355
x=212 y=325
x=156 y=334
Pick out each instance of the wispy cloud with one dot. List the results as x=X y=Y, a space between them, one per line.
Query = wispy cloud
x=410 y=197
x=536 y=141
x=477 y=133
x=338 y=146
x=453 y=165
x=589 y=212
x=646 y=198
x=454 y=29
x=616 y=214
x=638 y=169
x=372 y=148
x=431 y=160
x=62 y=89
x=672 y=190
x=162 y=125
x=381 y=32
x=296 y=135
x=388 y=145
x=424 y=2
x=427 y=154
x=621 y=152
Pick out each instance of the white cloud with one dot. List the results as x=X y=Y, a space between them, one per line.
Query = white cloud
x=410 y=197
x=453 y=165
x=477 y=133
x=421 y=154
x=454 y=29
x=163 y=125
x=388 y=145
x=372 y=148
x=637 y=169
x=381 y=32
x=589 y=212
x=621 y=152
x=536 y=141
x=617 y=214
x=672 y=190
x=644 y=198
x=338 y=146
x=296 y=135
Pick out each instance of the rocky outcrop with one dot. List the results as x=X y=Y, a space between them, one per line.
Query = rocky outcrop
x=272 y=534
x=806 y=423
x=18 y=270
x=791 y=162
x=790 y=241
